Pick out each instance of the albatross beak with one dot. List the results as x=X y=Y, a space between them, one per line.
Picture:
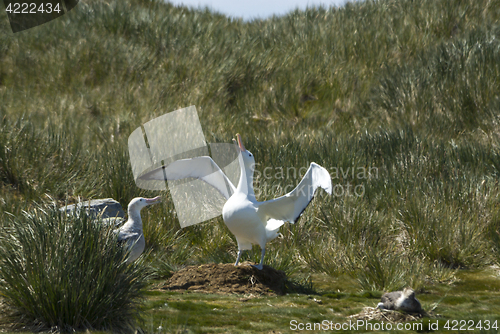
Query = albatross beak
x=155 y=200
x=240 y=144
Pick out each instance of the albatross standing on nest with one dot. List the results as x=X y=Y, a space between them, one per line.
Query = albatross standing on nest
x=250 y=221
x=131 y=231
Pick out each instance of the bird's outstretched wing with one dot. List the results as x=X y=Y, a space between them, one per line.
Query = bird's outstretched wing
x=290 y=206
x=203 y=168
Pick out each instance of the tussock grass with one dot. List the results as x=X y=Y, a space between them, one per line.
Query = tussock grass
x=67 y=273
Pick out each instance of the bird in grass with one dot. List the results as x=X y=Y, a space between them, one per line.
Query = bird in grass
x=251 y=221
x=400 y=300
x=130 y=233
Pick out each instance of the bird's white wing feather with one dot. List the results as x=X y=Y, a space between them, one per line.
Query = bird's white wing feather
x=203 y=168
x=274 y=224
x=290 y=206
x=127 y=235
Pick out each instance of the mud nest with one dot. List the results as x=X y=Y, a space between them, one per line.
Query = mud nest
x=370 y=313
x=227 y=279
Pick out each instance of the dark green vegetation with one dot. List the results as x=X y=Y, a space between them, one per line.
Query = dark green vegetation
x=400 y=100
x=65 y=273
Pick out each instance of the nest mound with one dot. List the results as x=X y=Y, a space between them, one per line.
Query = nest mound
x=370 y=313
x=226 y=279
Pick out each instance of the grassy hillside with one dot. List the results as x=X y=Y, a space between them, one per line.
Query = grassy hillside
x=408 y=90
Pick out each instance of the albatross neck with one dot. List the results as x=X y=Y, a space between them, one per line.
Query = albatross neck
x=134 y=218
x=245 y=185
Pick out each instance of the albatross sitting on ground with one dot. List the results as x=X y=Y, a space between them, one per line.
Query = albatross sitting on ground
x=250 y=221
x=131 y=232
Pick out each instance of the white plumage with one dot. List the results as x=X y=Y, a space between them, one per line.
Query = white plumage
x=131 y=231
x=250 y=221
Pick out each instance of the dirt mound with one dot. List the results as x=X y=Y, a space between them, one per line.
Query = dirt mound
x=226 y=279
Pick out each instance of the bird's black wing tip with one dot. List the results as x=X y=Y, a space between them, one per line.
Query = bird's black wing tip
x=304 y=209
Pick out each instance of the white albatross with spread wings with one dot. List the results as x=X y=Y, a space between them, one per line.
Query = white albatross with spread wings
x=131 y=232
x=250 y=221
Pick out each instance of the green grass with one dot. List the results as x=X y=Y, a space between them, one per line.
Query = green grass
x=67 y=273
x=333 y=300
x=407 y=90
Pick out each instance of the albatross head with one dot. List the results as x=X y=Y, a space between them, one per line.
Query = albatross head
x=140 y=202
x=247 y=156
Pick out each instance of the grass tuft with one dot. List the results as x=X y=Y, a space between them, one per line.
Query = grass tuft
x=64 y=274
